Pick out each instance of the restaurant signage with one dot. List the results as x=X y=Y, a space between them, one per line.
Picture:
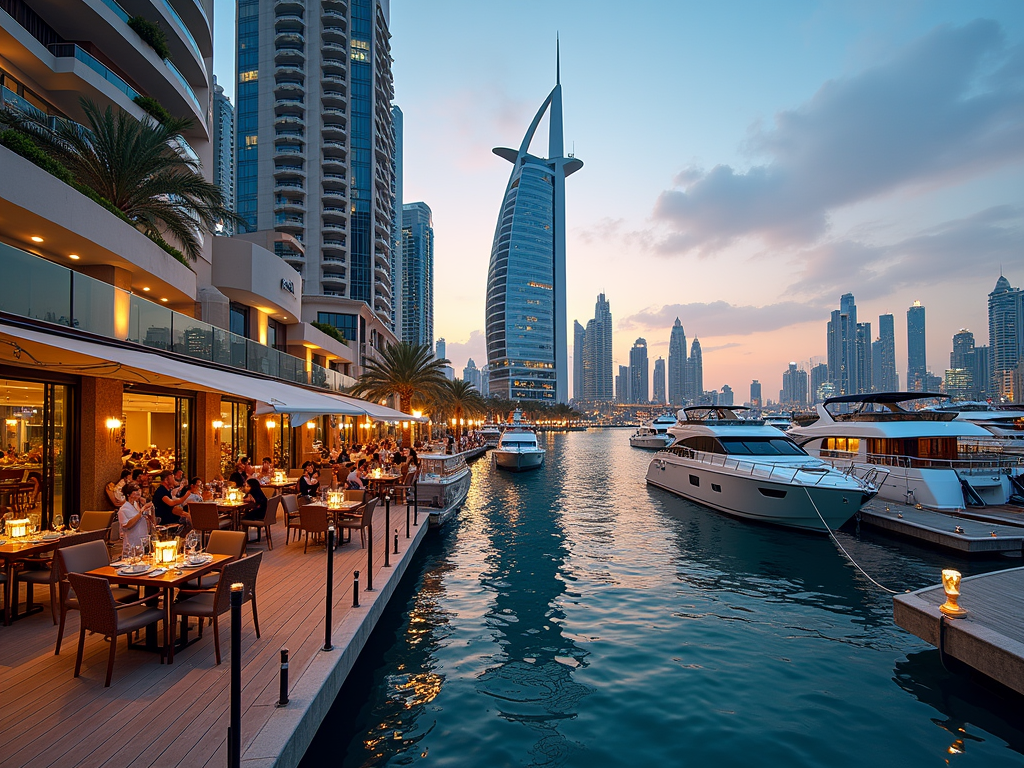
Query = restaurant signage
x=288 y=285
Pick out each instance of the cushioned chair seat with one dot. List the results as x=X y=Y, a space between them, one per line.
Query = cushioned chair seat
x=131 y=619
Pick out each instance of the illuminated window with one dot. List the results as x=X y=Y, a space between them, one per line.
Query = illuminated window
x=360 y=55
x=545 y=286
x=248 y=77
x=250 y=141
x=361 y=44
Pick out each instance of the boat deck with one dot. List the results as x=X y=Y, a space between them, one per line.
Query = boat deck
x=156 y=714
x=989 y=638
x=976 y=536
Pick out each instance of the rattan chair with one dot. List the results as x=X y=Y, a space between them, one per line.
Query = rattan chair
x=206 y=518
x=268 y=520
x=313 y=519
x=47 y=573
x=79 y=558
x=101 y=614
x=97 y=521
x=406 y=486
x=212 y=603
x=290 y=504
x=230 y=543
x=362 y=522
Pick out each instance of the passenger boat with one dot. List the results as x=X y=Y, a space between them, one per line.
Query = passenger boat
x=748 y=469
x=913 y=455
x=443 y=485
x=490 y=433
x=654 y=434
x=517 y=449
x=1003 y=422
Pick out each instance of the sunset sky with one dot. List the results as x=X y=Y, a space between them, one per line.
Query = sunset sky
x=745 y=163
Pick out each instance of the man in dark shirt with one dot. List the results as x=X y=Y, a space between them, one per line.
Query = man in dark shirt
x=240 y=477
x=168 y=507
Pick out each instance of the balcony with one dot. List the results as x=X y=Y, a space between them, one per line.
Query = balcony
x=290 y=70
x=289 y=21
x=284 y=89
x=49 y=294
x=333 y=245
x=334 y=279
x=334 y=180
x=289 y=6
x=281 y=184
x=286 y=171
x=334 y=196
x=289 y=205
x=332 y=258
x=330 y=61
x=297 y=134
x=289 y=39
x=289 y=55
x=334 y=129
x=333 y=98
x=328 y=48
x=294 y=120
x=332 y=228
x=333 y=33
x=72 y=51
x=333 y=162
x=282 y=150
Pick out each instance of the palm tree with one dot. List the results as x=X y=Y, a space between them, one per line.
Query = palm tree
x=458 y=400
x=408 y=370
x=137 y=166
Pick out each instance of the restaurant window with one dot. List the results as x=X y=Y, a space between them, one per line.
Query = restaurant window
x=276 y=334
x=34 y=476
x=280 y=440
x=158 y=428
x=239 y=320
x=236 y=436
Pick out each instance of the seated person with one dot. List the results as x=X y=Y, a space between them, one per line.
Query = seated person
x=195 y=490
x=134 y=517
x=258 y=499
x=309 y=483
x=180 y=481
x=169 y=510
x=240 y=475
x=266 y=471
x=354 y=481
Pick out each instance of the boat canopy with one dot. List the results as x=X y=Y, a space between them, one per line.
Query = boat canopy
x=885 y=398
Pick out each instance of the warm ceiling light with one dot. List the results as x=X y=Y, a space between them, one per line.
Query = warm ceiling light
x=146 y=290
x=74 y=256
x=164 y=300
x=36 y=239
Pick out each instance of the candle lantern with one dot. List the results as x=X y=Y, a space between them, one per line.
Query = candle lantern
x=280 y=478
x=165 y=551
x=951 y=586
x=18 y=529
x=335 y=499
x=233 y=495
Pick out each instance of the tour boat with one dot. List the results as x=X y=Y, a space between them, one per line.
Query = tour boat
x=913 y=455
x=490 y=433
x=443 y=485
x=654 y=434
x=517 y=449
x=745 y=468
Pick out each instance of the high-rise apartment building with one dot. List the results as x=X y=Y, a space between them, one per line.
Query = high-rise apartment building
x=865 y=370
x=1005 y=338
x=639 y=380
x=843 y=355
x=917 y=362
x=886 y=375
x=472 y=374
x=821 y=384
x=727 y=397
x=659 y=395
x=527 y=348
x=597 y=354
x=315 y=154
x=417 y=275
x=397 y=249
x=677 y=387
x=755 y=394
x=224 y=150
x=622 y=388
x=579 y=334
x=695 y=373
x=794 y=387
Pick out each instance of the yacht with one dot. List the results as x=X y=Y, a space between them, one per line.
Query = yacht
x=442 y=485
x=654 y=434
x=1003 y=422
x=490 y=433
x=517 y=449
x=751 y=470
x=913 y=454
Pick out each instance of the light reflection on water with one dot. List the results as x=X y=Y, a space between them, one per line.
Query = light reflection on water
x=573 y=617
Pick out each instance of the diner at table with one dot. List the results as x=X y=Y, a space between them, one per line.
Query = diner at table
x=169 y=508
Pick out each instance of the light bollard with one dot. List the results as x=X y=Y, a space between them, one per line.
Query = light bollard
x=369 y=557
x=415 y=503
x=387 y=527
x=235 y=722
x=396 y=541
x=355 y=589
x=282 y=700
x=329 y=621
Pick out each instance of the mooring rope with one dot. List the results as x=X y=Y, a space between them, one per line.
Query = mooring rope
x=843 y=549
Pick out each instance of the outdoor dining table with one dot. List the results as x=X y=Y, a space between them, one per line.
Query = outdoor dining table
x=171 y=579
x=381 y=484
x=11 y=551
x=334 y=515
x=232 y=508
x=282 y=487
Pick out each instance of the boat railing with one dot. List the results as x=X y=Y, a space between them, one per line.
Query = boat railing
x=783 y=473
x=978 y=463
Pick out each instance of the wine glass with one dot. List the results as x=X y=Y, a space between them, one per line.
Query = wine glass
x=58 y=521
x=74 y=521
x=147 y=546
x=33 y=520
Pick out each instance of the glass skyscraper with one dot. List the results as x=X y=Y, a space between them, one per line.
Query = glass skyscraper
x=917 y=361
x=527 y=347
x=417 y=293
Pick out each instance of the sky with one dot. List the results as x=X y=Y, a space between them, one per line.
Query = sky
x=746 y=163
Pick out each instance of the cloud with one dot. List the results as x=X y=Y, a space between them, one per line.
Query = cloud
x=730 y=345
x=945 y=108
x=459 y=352
x=720 y=318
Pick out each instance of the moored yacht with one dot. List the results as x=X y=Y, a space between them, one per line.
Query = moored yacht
x=517 y=448
x=748 y=469
x=490 y=433
x=914 y=455
x=654 y=434
x=1003 y=422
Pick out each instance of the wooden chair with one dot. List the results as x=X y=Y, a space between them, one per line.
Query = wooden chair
x=78 y=558
x=362 y=522
x=290 y=503
x=210 y=604
x=101 y=614
x=268 y=520
x=206 y=518
x=406 y=485
x=313 y=519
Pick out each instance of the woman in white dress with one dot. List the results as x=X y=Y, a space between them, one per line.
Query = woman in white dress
x=134 y=517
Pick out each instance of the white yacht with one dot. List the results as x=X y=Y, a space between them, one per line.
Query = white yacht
x=914 y=455
x=1003 y=422
x=490 y=433
x=655 y=434
x=748 y=469
x=442 y=485
x=517 y=448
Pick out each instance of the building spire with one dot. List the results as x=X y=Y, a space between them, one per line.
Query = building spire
x=558 y=61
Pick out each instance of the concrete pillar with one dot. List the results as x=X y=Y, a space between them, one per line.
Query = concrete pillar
x=100 y=454
x=207 y=438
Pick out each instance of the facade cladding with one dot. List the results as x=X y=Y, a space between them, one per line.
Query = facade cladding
x=224 y=149
x=247 y=98
x=417 y=275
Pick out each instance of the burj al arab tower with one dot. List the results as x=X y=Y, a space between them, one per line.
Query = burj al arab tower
x=527 y=349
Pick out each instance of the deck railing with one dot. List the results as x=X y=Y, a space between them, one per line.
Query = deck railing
x=783 y=473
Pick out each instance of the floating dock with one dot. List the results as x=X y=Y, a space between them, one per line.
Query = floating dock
x=963 y=534
x=988 y=639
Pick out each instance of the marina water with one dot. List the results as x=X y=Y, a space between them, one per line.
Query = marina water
x=572 y=616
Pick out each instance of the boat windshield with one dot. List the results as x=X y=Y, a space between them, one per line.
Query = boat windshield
x=761 y=446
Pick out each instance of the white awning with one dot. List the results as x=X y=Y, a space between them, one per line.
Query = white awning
x=68 y=354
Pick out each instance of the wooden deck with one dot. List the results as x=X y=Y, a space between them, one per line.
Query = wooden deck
x=989 y=638
x=177 y=715
x=987 y=536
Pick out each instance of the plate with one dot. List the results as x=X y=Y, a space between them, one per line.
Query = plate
x=51 y=536
x=198 y=561
x=134 y=570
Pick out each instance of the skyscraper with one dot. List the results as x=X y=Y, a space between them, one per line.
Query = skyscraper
x=639 y=385
x=472 y=374
x=888 y=379
x=659 y=382
x=397 y=251
x=727 y=396
x=864 y=362
x=597 y=354
x=527 y=348
x=1005 y=337
x=579 y=334
x=821 y=385
x=755 y=394
x=417 y=274
x=677 y=364
x=622 y=393
x=695 y=373
x=959 y=379
x=224 y=149
x=315 y=152
x=843 y=371
x=917 y=364
x=794 y=386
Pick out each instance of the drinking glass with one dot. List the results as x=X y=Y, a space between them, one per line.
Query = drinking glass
x=58 y=521
x=33 y=520
x=147 y=546
x=74 y=521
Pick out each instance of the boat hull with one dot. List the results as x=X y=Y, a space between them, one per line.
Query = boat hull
x=793 y=505
x=651 y=442
x=517 y=461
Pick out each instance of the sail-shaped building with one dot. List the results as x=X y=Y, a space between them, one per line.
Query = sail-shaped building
x=527 y=348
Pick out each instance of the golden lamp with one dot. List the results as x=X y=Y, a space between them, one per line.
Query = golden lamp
x=18 y=529
x=951 y=586
x=280 y=478
x=335 y=499
x=233 y=495
x=164 y=552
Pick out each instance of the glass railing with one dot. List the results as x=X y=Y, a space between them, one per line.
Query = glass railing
x=181 y=24
x=72 y=51
x=41 y=290
x=120 y=12
x=188 y=88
